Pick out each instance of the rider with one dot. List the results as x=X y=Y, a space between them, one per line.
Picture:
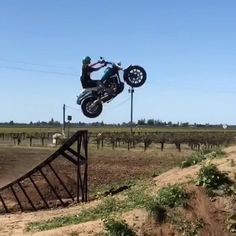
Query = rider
x=87 y=69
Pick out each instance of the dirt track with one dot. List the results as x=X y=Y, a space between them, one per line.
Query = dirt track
x=16 y=161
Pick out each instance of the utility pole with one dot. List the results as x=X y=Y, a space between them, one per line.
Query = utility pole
x=64 y=120
x=131 y=91
x=69 y=118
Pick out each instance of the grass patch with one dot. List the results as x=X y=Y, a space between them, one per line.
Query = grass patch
x=103 y=210
x=198 y=157
x=170 y=196
x=138 y=196
x=117 y=227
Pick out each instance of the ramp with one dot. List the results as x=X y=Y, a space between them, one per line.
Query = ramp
x=45 y=186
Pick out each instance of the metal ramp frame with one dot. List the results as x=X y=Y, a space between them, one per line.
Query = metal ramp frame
x=77 y=155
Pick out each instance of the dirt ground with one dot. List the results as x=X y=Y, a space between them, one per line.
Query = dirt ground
x=16 y=161
x=106 y=167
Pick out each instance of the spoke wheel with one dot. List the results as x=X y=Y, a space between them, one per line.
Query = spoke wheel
x=90 y=109
x=135 y=76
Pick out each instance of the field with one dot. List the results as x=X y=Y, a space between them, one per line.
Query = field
x=112 y=167
x=107 y=167
x=108 y=128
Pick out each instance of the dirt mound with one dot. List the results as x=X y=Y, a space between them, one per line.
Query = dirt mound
x=199 y=215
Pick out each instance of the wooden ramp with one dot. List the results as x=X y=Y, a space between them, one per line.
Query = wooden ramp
x=48 y=185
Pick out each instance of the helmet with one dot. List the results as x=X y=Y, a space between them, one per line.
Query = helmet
x=86 y=60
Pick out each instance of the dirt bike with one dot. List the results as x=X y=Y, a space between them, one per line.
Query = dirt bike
x=92 y=99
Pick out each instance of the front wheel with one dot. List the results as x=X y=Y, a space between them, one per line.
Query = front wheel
x=135 y=76
x=90 y=108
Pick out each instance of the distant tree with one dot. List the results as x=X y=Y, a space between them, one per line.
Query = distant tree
x=51 y=122
x=11 y=122
x=150 y=122
x=124 y=124
x=141 y=122
x=185 y=124
x=159 y=123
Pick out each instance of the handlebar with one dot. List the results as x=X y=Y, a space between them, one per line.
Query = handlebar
x=110 y=63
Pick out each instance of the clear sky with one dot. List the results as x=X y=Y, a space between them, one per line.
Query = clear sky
x=188 y=48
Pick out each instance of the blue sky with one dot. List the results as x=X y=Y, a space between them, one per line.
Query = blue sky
x=187 y=48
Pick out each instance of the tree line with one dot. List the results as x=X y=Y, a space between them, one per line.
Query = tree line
x=141 y=122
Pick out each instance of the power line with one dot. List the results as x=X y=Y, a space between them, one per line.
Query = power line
x=114 y=107
x=118 y=105
x=39 y=71
x=72 y=108
x=37 y=64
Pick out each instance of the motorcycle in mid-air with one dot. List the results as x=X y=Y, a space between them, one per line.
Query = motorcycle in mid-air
x=92 y=99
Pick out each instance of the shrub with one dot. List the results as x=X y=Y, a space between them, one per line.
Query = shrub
x=116 y=227
x=172 y=196
x=212 y=179
x=200 y=156
x=192 y=160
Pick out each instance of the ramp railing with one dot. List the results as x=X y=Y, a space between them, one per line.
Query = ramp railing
x=44 y=186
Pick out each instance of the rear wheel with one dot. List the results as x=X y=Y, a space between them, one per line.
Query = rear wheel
x=90 y=108
x=135 y=76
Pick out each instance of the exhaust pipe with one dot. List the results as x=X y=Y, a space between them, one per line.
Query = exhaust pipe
x=103 y=99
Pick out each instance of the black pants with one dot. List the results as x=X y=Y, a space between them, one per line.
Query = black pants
x=88 y=83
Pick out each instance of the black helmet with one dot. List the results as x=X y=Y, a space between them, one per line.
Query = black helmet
x=86 y=60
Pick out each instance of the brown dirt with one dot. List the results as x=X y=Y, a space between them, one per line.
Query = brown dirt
x=106 y=168
x=16 y=161
x=199 y=209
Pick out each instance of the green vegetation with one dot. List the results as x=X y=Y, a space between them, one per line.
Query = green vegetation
x=172 y=196
x=117 y=227
x=138 y=196
x=100 y=127
x=169 y=196
x=198 y=157
x=103 y=210
x=213 y=180
x=157 y=211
